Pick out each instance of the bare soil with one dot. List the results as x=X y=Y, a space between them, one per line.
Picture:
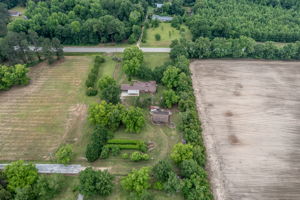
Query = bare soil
x=37 y=118
x=250 y=112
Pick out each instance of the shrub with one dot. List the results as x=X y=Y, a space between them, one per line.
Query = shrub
x=91 y=91
x=13 y=75
x=190 y=167
x=182 y=152
x=99 y=60
x=158 y=185
x=20 y=175
x=137 y=156
x=105 y=152
x=173 y=183
x=199 y=155
x=169 y=98
x=137 y=181
x=49 y=186
x=157 y=37
x=95 y=182
x=161 y=170
x=64 y=154
x=98 y=140
x=196 y=188
x=115 y=150
x=125 y=155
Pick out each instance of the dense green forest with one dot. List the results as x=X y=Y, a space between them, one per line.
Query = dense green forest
x=84 y=22
x=283 y=3
x=4 y=19
x=251 y=18
x=242 y=47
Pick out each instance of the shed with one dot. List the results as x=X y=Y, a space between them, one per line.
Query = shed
x=14 y=13
x=159 y=5
x=144 y=87
x=160 y=116
x=162 y=18
x=133 y=92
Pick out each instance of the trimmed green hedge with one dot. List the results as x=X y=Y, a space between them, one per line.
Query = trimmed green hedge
x=123 y=141
x=124 y=146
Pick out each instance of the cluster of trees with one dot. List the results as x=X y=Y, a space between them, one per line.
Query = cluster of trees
x=288 y=4
x=4 y=19
x=93 y=182
x=12 y=3
x=242 y=47
x=13 y=75
x=92 y=77
x=20 y=181
x=109 y=90
x=133 y=59
x=235 y=18
x=16 y=48
x=83 y=22
x=112 y=116
x=174 y=7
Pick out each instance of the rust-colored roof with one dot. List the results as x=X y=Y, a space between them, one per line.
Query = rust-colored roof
x=149 y=86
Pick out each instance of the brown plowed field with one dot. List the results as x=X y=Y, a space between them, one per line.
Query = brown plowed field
x=36 y=119
x=250 y=112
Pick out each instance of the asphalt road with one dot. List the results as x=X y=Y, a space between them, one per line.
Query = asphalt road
x=111 y=50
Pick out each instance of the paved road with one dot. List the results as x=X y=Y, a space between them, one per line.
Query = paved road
x=111 y=50
x=55 y=168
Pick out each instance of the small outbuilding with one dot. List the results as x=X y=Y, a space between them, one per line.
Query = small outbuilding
x=162 y=18
x=14 y=13
x=159 y=5
x=143 y=87
x=160 y=116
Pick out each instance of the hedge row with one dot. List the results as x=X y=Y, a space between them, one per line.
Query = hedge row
x=124 y=146
x=123 y=141
x=93 y=76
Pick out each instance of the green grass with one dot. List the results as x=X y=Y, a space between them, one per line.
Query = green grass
x=167 y=33
x=67 y=193
x=153 y=60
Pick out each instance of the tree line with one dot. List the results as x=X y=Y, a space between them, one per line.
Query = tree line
x=235 y=18
x=4 y=19
x=84 y=22
x=288 y=4
x=22 y=48
x=242 y=47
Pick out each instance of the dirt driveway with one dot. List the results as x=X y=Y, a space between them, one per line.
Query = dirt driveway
x=250 y=111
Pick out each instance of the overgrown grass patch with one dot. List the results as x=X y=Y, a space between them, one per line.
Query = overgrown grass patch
x=167 y=34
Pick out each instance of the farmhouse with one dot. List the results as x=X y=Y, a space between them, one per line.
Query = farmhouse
x=14 y=13
x=162 y=18
x=137 y=87
x=159 y=5
x=160 y=116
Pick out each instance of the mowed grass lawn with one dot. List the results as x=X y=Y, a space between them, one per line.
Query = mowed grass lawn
x=37 y=118
x=20 y=9
x=167 y=34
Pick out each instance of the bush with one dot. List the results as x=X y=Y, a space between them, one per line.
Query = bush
x=105 y=152
x=64 y=154
x=157 y=37
x=190 y=167
x=95 y=182
x=13 y=75
x=199 y=155
x=161 y=170
x=181 y=152
x=91 y=91
x=125 y=155
x=99 y=60
x=49 y=186
x=137 y=156
x=98 y=140
x=158 y=186
x=137 y=181
x=142 y=102
x=115 y=150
